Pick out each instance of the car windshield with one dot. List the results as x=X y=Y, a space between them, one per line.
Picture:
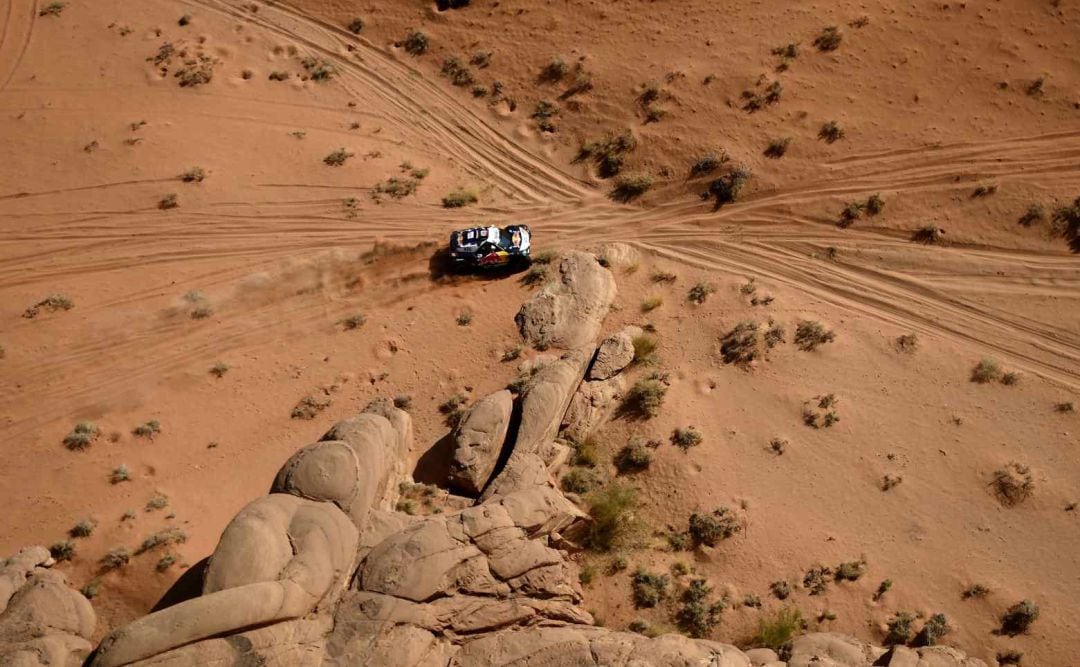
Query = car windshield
x=506 y=239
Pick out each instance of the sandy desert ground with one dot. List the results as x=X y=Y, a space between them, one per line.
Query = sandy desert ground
x=962 y=117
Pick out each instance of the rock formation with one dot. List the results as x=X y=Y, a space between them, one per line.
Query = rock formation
x=322 y=572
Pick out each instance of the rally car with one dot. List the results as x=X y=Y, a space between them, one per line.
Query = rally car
x=485 y=247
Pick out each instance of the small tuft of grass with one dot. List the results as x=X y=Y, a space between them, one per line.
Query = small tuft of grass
x=614 y=524
x=609 y=153
x=777 y=148
x=890 y=481
x=644 y=349
x=645 y=398
x=337 y=158
x=120 y=474
x=632 y=458
x=353 y=322
x=62 y=550
x=580 y=481
x=726 y=188
x=850 y=570
x=459 y=198
x=907 y=343
x=161 y=538
x=554 y=70
x=709 y=529
x=157 y=501
x=781 y=628
x=169 y=201
x=84 y=528
x=535 y=275
x=165 y=562
x=663 y=277
x=685 y=438
x=92 y=589
x=1012 y=484
x=929 y=234
x=831 y=132
x=1034 y=214
x=310 y=406
x=464 y=318
x=742 y=344
x=651 y=303
x=983 y=190
x=513 y=353
x=1009 y=657
x=816 y=579
x=219 y=369
x=82 y=436
x=115 y=559
x=829 y=39
x=147 y=430
x=709 y=163
x=987 y=370
x=454 y=409
x=900 y=629
x=697 y=617
x=1019 y=617
x=585 y=454
x=884 y=587
x=415 y=43
x=700 y=292
x=278 y=75
x=631 y=187
x=781 y=590
x=193 y=175
x=975 y=591
x=1065 y=407
x=874 y=205
x=355 y=26
x=809 y=335
x=649 y=589
x=52 y=9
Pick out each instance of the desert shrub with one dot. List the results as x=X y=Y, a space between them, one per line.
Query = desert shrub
x=644 y=349
x=614 y=523
x=685 y=438
x=850 y=570
x=337 y=158
x=554 y=70
x=884 y=587
x=403 y=401
x=587 y=574
x=1065 y=407
x=115 y=559
x=850 y=213
x=278 y=75
x=983 y=191
x=645 y=398
x=52 y=9
x=936 y=627
x=1034 y=213
x=82 y=436
x=789 y=51
x=62 y=550
x=459 y=198
x=168 y=201
x=751 y=600
x=355 y=26
x=161 y=538
x=741 y=345
x=83 y=528
x=1010 y=378
x=928 y=234
x=219 y=369
x=649 y=589
x=726 y=188
x=165 y=562
x=816 y=579
x=353 y=321
x=585 y=454
x=809 y=335
x=617 y=564
x=709 y=529
x=987 y=370
x=513 y=353
x=1035 y=88
x=777 y=148
x=778 y=445
x=663 y=277
x=1019 y=617
x=310 y=406
x=634 y=457
x=464 y=318
x=680 y=569
x=147 y=430
x=708 y=163
x=907 y=343
x=193 y=175
x=977 y=591
x=454 y=409
x=609 y=153
x=415 y=43
x=631 y=186
x=829 y=39
x=697 y=617
x=774 y=335
x=780 y=589
x=831 y=132
x=458 y=74
x=406 y=506
x=1009 y=658
x=679 y=541
x=777 y=631
x=92 y=589
x=580 y=481
x=700 y=292
x=157 y=501
x=652 y=303
x=544 y=113
x=900 y=629
x=890 y=481
x=1012 y=484
x=535 y=275
x=120 y=474
x=1066 y=223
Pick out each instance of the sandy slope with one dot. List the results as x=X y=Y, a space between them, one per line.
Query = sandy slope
x=273 y=244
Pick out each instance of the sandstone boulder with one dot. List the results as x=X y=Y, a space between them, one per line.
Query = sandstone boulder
x=617 y=255
x=831 y=649
x=931 y=656
x=615 y=353
x=478 y=441
x=545 y=399
x=569 y=308
x=590 y=406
